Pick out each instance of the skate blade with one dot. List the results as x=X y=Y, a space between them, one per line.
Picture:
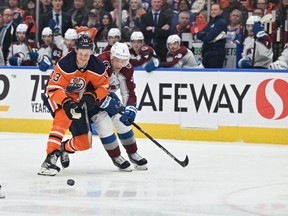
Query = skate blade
x=128 y=169
x=138 y=167
x=47 y=172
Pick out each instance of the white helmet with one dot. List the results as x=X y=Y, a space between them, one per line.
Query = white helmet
x=113 y=32
x=120 y=50
x=137 y=35
x=173 y=38
x=46 y=31
x=21 y=28
x=252 y=19
x=71 y=34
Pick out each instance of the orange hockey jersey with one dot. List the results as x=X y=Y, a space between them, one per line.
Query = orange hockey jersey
x=67 y=80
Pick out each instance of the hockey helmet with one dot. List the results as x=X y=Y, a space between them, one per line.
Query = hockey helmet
x=173 y=38
x=113 y=32
x=71 y=34
x=120 y=50
x=137 y=35
x=252 y=19
x=21 y=28
x=46 y=31
x=84 y=42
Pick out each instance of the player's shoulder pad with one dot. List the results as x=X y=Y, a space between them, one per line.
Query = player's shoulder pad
x=43 y=46
x=95 y=65
x=144 y=48
x=266 y=40
x=128 y=70
x=68 y=62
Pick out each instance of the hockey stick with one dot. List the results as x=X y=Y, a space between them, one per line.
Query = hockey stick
x=84 y=106
x=183 y=163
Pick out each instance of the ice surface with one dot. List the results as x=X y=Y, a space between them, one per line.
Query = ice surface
x=222 y=179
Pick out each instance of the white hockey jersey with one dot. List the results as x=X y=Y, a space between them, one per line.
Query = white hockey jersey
x=21 y=50
x=182 y=58
x=263 y=56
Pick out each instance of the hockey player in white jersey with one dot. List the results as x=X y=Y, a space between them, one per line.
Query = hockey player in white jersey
x=120 y=72
x=18 y=52
x=282 y=62
x=257 y=39
x=178 y=56
x=114 y=35
x=140 y=53
x=67 y=43
x=48 y=54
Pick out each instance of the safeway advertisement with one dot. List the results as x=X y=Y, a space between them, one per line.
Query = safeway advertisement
x=190 y=98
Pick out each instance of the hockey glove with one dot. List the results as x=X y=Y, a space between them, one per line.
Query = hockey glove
x=258 y=30
x=15 y=61
x=52 y=25
x=245 y=63
x=152 y=65
x=17 y=18
x=71 y=108
x=34 y=56
x=111 y=104
x=278 y=65
x=45 y=63
x=129 y=115
x=89 y=98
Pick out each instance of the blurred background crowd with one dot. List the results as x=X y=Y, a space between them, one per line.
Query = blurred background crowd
x=39 y=32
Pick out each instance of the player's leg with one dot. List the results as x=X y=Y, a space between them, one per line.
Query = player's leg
x=127 y=138
x=60 y=124
x=109 y=140
x=79 y=142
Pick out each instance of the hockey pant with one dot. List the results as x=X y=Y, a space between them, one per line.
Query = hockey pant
x=104 y=125
x=61 y=123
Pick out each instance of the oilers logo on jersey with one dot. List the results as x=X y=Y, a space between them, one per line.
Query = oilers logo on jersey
x=76 y=85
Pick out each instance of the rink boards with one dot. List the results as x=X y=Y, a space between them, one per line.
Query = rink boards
x=210 y=104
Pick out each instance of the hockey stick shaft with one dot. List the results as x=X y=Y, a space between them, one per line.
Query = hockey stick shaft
x=87 y=124
x=182 y=163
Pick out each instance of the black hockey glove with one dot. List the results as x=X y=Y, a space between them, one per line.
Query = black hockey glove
x=71 y=108
x=90 y=99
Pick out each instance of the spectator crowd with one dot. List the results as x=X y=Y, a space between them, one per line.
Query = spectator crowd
x=160 y=33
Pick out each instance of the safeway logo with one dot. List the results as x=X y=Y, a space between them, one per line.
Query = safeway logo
x=272 y=99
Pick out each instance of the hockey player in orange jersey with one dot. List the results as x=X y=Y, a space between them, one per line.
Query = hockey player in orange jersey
x=66 y=93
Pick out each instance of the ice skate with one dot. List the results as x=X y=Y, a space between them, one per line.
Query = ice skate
x=122 y=164
x=64 y=157
x=139 y=162
x=49 y=167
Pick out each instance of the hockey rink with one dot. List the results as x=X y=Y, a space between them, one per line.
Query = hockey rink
x=222 y=179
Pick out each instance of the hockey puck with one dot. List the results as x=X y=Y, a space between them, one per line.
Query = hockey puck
x=70 y=182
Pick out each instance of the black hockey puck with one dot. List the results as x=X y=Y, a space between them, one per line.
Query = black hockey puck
x=70 y=182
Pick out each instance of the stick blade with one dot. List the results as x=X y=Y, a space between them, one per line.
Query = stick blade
x=185 y=162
